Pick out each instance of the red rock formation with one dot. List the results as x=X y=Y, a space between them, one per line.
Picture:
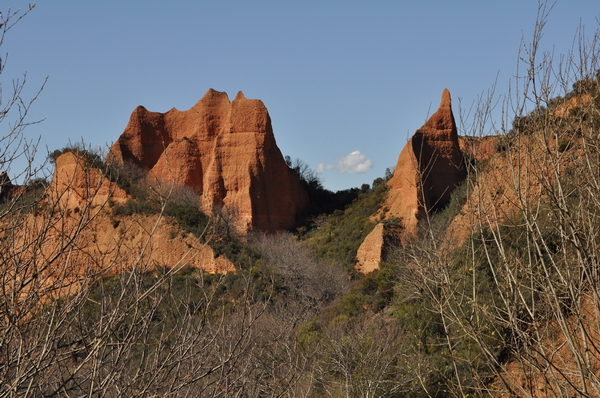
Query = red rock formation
x=180 y=162
x=75 y=184
x=429 y=168
x=477 y=149
x=115 y=243
x=224 y=150
x=579 y=101
x=377 y=246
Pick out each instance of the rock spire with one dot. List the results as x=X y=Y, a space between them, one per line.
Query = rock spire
x=429 y=168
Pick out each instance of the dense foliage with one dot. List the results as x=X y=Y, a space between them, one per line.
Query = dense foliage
x=337 y=236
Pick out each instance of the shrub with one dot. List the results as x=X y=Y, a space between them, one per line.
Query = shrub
x=189 y=217
x=91 y=156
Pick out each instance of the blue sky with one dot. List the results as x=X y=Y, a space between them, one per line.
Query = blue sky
x=346 y=82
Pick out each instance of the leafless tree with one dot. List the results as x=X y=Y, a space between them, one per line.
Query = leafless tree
x=525 y=289
x=308 y=285
x=81 y=317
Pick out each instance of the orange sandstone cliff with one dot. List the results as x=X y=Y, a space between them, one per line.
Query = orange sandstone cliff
x=73 y=236
x=225 y=151
x=75 y=184
x=429 y=168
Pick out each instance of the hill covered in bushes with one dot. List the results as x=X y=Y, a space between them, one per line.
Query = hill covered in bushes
x=106 y=288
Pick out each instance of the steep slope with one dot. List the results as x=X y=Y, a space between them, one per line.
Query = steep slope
x=225 y=151
x=72 y=236
x=75 y=184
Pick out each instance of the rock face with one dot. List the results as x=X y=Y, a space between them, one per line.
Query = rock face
x=225 y=151
x=74 y=184
x=579 y=101
x=376 y=246
x=81 y=198
x=429 y=168
x=477 y=149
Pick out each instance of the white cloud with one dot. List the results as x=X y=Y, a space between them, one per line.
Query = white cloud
x=353 y=163
x=322 y=167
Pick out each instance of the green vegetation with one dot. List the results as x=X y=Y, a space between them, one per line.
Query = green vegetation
x=24 y=197
x=338 y=236
x=466 y=316
x=322 y=201
x=91 y=157
x=429 y=322
x=511 y=311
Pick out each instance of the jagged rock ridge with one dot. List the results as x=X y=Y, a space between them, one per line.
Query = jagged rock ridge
x=225 y=151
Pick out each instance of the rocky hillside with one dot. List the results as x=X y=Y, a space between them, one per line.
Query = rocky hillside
x=74 y=235
x=165 y=272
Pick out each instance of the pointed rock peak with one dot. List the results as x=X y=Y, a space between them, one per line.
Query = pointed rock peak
x=240 y=95
x=441 y=123
x=140 y=110
x=213 y=94
x=213 y=97
x=446 y=99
